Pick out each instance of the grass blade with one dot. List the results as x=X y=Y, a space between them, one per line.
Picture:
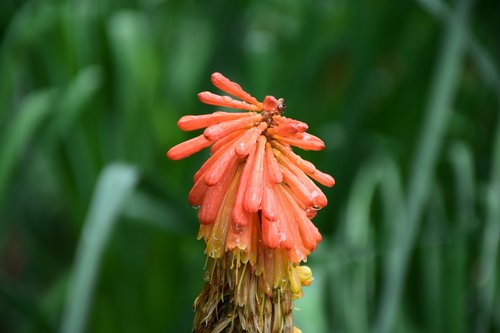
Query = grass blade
x=73 y=99
x=491 y=243
x=30 y=114
x=352 y=263
x=438 y=112
x=114 y=187
x=456 y=319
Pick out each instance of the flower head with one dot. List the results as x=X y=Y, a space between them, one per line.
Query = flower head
x=256 y=200
x=253 y=182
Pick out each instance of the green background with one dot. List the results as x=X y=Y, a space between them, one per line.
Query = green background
x=96 y=234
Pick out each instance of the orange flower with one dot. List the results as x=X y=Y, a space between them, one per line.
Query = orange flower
x=256 y=200
x=253 y=188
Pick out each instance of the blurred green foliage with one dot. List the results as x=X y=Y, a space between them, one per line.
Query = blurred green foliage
x=95 y=231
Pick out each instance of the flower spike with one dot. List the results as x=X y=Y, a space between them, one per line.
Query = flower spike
x=256 y=198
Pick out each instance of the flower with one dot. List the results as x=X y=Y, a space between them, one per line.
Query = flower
x=253 y=178
x=255 y=196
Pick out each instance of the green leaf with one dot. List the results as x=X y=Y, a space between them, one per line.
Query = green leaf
x=31 y=112
x=115 y=185
x=73 y=99
x=438 y=111
x=488 y=261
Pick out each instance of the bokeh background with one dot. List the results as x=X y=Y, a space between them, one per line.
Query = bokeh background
x=95 y=231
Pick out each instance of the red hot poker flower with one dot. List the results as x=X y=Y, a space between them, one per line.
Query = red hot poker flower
x=255 y=148
x=256 y=200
